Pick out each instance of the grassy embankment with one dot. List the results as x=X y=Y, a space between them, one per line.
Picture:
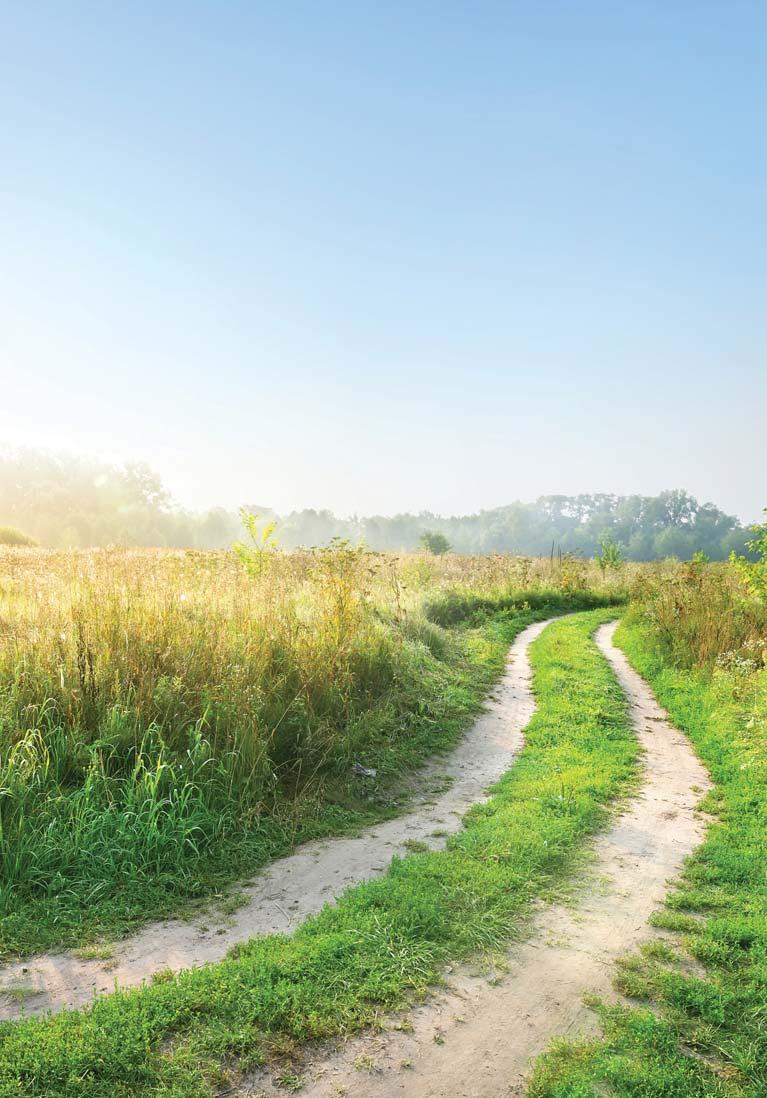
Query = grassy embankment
x=169 y=722
x=700 y=1029
x=383 y=941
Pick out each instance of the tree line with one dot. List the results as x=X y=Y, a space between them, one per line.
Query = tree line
x=67 y=501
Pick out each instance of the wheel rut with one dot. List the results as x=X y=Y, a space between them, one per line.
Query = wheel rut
x=293 y=888
x=477 y=1036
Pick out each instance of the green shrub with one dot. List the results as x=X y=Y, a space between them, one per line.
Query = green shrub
x=754 y=572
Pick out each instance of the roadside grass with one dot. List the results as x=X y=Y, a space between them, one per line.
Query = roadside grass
x=384 y=941
x=93 y=859
x=701 y=1028
x=170 y=721
x=93 y=864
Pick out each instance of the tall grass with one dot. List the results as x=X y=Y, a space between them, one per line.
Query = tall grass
x=700 y=615
x=384 y=940
x=168 y=720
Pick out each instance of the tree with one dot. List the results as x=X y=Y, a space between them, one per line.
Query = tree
x=433 y=541
x=62 y=501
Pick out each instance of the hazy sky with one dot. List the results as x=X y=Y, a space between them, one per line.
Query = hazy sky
x=382 y=256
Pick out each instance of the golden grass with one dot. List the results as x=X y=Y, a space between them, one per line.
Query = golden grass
x=168 y=718
x=174 y=636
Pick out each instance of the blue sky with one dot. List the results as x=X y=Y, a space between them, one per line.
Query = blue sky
x=385 y=257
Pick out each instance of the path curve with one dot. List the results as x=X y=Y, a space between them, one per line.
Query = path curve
x=478 y=1037
x=292 y=888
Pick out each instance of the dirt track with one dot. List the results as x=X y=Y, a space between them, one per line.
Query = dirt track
x=295 y=887
x=477 y=1038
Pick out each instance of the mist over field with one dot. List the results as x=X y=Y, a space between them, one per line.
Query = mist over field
x=68 y=501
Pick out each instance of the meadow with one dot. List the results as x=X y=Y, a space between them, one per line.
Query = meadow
x=169 y=721
x=173 y=720
x=384 y=941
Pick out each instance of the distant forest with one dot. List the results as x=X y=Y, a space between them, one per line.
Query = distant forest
x=65 y=501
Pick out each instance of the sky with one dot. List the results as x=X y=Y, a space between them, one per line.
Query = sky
x=383 y=257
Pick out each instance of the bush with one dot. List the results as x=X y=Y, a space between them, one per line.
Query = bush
x=753 y=573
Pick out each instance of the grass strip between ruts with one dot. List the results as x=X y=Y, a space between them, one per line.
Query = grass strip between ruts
x=382 y=940
x=703 y=1032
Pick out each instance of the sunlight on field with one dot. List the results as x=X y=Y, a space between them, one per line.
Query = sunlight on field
x=132 y=639
x=168 y=719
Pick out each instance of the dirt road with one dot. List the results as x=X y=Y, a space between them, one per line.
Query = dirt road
x=478 y=1037
x=295 y=887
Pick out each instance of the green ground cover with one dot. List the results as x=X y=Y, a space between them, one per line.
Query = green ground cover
x=95 y=857
x=700 y=1027
x=384 y=940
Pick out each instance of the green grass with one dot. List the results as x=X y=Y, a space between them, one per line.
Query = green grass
x=383 y=941
x=93 y=860
x=699 y=1033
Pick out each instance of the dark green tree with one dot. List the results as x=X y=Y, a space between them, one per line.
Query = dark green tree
x=434 y=542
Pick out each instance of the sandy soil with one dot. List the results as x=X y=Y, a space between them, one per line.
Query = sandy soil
x=297 y=886
x=477 y=1037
